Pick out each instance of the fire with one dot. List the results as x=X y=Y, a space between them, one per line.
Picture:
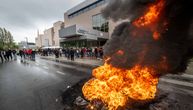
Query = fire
x=151 y=17
x=152 y=14
x=156 y=35
x=114 y=86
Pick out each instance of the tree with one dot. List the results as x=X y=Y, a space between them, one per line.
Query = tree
x=6 y=39
x=1 y=38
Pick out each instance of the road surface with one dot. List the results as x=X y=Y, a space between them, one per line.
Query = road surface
x=36 y=85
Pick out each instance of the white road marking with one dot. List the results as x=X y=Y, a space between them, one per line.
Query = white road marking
x=37 y=64
x=59 y=72
x=45 y=67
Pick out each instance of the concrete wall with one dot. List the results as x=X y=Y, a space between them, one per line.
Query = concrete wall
x=38 y=40
x=85 y=19
x=56 y=27
x=48 y=37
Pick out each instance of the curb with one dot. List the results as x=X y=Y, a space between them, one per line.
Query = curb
x=183 y=85
x=71 y=63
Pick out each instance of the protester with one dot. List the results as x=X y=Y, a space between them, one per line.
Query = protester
x=33 y=54
x=10 y=54
x=1 y=56
x=57 y=53
x=72 y=54
x=96 y=52
x=22 y=55
x=29 y=52
x=14 y=54
x=82 y=53
x=5 y=55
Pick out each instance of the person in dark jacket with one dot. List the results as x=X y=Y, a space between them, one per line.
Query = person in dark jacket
x=96 y=52
x=1 y=56
x=72 y=54
x=33 y=55
x=82 y=53
x=5 y=55
x=57 y=53
x=68 y=53
x=21 y=54
x=9 y=54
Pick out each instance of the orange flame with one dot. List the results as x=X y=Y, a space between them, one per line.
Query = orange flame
x=152 y=15
x=114 y=86
x=156 y=35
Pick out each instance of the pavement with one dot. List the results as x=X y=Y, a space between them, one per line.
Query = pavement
x=182 y=82
x=36 y=85
x=85 y=62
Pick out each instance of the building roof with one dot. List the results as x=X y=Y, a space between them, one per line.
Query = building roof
x=81 y=5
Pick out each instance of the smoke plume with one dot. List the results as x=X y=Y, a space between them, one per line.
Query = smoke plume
x=131 y=45
x=124 y=9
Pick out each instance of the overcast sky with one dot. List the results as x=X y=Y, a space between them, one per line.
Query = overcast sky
x=24 y=17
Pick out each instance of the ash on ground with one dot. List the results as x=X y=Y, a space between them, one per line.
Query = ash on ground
x=73 y=99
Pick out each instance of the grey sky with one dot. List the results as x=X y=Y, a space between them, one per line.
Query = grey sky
x=24 y=17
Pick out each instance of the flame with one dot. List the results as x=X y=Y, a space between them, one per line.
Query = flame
x=156 y=35
x=114 y=86
x=151 y=15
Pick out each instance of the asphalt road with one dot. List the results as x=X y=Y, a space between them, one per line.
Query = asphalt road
x=36 y=85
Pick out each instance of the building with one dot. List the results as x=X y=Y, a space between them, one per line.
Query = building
x=47 y=39
x=85 y=25
x=26 y=45
x=56 y=27
x=38 y=40
x=50 y=37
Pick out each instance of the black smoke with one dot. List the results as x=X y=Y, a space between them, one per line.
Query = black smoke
x=170 y=54
x=124 y=9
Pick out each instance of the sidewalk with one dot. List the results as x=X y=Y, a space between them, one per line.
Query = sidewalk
x=85 y=62
x=93 y=63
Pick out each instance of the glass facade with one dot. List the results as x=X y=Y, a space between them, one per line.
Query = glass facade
x=90 y=7
x=100 y=23
x=83 y=43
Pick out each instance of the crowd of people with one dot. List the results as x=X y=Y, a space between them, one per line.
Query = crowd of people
x=72 y=53
x=69 y=53
x=11 y=54
x=8 y=55
x=27 y=54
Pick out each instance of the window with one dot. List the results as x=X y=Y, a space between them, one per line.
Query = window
x=99 y=23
